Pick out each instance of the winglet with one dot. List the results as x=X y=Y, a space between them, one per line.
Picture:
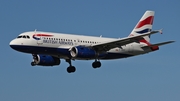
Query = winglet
x=161 y=31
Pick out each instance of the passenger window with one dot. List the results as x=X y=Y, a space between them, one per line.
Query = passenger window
x=28 y=37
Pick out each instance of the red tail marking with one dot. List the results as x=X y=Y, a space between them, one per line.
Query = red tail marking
x=148 y=20
x=153 y=48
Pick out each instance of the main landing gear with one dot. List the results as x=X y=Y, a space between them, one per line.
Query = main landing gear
x=96 y=64
x=72 y=69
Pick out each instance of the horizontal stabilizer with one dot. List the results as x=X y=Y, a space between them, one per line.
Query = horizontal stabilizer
x=159 y=44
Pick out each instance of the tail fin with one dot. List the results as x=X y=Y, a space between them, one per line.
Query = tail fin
x=144 y=25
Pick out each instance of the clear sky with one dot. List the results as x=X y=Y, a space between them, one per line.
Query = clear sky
x=149 y=77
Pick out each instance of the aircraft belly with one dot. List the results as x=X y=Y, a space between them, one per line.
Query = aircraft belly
x=116 y=56
x=64 y=52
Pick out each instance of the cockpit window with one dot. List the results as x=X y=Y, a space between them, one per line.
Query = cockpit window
x=24 y=36
x=19 y=37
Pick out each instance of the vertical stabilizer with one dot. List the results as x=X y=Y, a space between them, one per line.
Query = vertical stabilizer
x=144 y=25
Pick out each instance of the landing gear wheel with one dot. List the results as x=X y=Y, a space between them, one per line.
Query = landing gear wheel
x=33 y=64
x=71 y=69
x=96 y=64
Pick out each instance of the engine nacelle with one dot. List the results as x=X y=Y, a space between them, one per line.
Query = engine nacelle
x=82 y=52
x=45 y=60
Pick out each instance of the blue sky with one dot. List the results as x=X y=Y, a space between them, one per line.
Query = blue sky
x=149 y=77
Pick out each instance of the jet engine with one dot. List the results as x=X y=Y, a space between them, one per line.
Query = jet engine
x=85 y=53
x=82 y=52
x=45 y=60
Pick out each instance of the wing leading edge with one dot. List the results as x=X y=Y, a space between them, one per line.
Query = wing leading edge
x=120 y=42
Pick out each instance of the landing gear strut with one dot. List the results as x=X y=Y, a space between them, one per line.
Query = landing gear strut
x=71 y=68
x=96 y=64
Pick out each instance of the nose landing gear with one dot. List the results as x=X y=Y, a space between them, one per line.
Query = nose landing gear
x=33 y=63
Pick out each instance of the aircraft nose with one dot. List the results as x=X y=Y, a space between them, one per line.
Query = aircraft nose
x=12 y=44
x=17 y=45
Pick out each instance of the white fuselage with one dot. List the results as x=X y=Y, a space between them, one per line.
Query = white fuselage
x=41 y=44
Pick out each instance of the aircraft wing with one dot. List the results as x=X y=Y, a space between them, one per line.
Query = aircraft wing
x=120 y=42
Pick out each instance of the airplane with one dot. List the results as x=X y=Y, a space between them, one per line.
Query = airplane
x=48 y=48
